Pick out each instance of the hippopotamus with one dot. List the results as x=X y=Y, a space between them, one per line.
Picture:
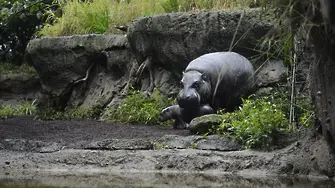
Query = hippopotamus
x=219 y=79
x=183 y=117
x=211 y=82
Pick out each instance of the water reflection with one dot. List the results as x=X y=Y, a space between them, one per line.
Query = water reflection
x=161 y=180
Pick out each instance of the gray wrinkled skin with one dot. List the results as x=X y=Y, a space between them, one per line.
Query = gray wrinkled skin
x=229 y=72
x=195 y=89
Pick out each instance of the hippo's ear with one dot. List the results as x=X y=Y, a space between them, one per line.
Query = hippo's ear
x=204 y=77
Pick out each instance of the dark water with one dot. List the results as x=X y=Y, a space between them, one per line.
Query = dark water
x=151 y=180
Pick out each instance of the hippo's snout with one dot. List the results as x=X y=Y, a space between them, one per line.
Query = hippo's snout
x=164 y=115
x=188 y=101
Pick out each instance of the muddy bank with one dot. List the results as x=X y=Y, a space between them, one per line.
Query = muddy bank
x=150 y=179
x=28 y=146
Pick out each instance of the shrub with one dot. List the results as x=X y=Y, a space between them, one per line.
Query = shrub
x=100 y=16
x=26 y=108
x=19 y=20
x=9 y=68
x=80 y=17
x=140 y=108
x=93 y=112
x=254 y=123
x=191 y=5
x=47 y=113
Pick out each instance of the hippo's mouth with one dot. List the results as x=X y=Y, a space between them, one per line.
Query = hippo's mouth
x=189 y=104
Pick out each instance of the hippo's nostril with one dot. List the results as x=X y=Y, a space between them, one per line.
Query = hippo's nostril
x=188 y=98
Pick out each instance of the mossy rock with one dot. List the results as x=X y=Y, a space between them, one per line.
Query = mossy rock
x=203 y=124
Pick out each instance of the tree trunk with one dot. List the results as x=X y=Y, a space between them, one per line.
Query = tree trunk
x=323 y=82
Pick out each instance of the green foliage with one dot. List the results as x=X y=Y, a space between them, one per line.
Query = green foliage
x=26 y=108
x=80 y=17
x=19 y=20
x=195 y=5
x=7 y=111
x=304 y=111
x=254 y=123
x=85 y=113
x=140 y=108
x=100 y=16
x=47 y=113
x=9 y=68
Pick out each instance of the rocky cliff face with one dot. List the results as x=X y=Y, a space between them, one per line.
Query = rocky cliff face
x=88 y=70
x=173 y=40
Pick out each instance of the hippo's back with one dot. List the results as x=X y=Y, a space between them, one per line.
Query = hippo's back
x=229 y=64
x=234 y=72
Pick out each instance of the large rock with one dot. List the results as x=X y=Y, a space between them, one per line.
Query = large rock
x=271 y=72
x=85 y=69
x=88 y=70
x=16 y=87
x=174 y=39
x=203 y=124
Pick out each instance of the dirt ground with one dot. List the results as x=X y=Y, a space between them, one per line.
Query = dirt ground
x=70 y=147
x=78 y=131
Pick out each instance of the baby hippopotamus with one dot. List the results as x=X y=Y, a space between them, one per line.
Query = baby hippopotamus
x=211 y=82
x=183 y=117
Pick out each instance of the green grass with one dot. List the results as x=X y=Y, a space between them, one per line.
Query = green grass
x=259 y=120
x=9 y=68
x=141 y=109
x=26 y=108
x=29 y=108
x=136 y=108
x=81 y=18
x=47 y=113
x=254 y=123
x=100 y=16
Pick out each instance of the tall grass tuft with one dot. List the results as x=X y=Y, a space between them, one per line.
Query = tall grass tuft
x=125 y=11
x=81 y=17
x=140 y=108
x=197 y=5
x=100 y=16
x=26 y=108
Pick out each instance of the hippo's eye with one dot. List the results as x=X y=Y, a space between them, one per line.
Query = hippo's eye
x=196 y=85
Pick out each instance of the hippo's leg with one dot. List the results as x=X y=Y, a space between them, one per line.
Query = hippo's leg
x=180 y=123
x=205 y=109
x=146 y=64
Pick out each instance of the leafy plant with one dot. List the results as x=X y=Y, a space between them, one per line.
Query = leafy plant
x=26 y=108
x=100 y=16
x=140 y=108
x=196 y=5
x=80 y=17
x=84 y=113
x=47 y=113
x=254 y=123
x=19 y=20
x=9 y=68
x=7 y=111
